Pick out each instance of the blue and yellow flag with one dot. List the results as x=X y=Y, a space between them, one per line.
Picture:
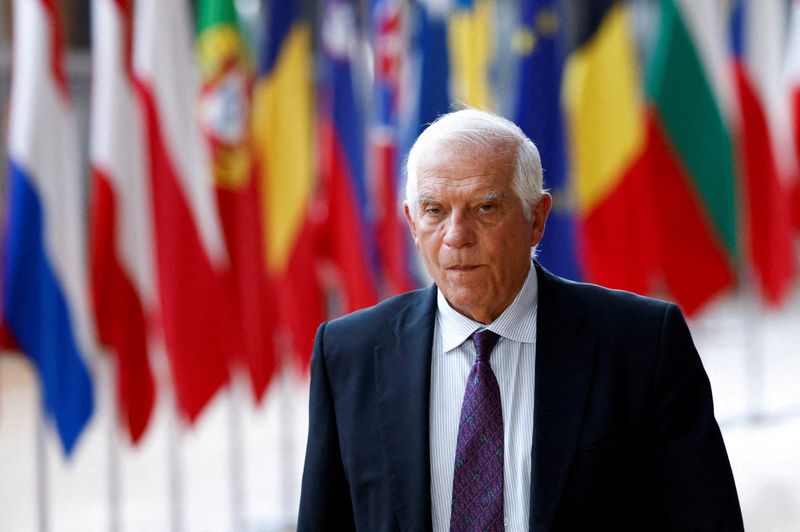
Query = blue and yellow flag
x=540 y=45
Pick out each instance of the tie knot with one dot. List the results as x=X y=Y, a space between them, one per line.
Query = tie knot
x=484 y=341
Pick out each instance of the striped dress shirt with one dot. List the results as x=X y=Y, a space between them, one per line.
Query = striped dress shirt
x=513 y=362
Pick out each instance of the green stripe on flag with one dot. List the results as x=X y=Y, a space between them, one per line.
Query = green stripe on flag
x=216 y=12
x=677 y=85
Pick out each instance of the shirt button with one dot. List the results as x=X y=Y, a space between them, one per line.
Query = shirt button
x=507 y=522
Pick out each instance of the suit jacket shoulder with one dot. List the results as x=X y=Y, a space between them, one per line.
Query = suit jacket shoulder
x=352 y=339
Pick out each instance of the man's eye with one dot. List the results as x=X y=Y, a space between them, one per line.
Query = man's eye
x=432 y=210
x=487 y=207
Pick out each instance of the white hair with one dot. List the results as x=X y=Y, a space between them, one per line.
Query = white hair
x=473 y=129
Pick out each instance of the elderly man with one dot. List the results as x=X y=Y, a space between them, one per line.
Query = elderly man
x=504 y=397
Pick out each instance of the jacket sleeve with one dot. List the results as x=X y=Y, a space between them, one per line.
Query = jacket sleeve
x=689 y=475
x=325 y=494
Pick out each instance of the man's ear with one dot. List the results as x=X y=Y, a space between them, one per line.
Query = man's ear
x=410 y=220
x=539 y=218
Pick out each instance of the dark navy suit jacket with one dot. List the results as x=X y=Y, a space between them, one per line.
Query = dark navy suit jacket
x=624 y=430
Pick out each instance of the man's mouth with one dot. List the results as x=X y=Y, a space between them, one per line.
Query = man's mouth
x=463 y=267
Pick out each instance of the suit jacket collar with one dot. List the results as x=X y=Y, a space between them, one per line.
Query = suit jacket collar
x=564 y=366
x=403 y=379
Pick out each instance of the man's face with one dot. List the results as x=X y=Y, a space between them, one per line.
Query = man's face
x=470 y=227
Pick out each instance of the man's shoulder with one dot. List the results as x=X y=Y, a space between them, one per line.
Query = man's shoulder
x=379 y=319
x=628 y=330
x=609 y=304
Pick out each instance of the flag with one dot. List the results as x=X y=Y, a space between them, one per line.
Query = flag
x=390 y=45
x=608 y=166
x=471 y=43
x=45 y=304
x=766 y=158
x=539 y=43
x=121 y=258
x=225 y=97
x=431 y=91
x=346 y=243
x=283 y=152
x=792 y=77
x=190 y=249
x=690 y=97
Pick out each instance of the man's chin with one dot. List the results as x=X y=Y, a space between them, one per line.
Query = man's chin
x=463 y=298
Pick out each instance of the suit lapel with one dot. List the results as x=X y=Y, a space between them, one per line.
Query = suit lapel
x=402 y=373
x=564 y=365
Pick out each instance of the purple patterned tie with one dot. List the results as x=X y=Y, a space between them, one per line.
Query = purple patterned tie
x=478 y=478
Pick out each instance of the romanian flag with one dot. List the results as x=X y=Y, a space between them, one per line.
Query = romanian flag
x=225 y=101
x=607 y=139
x=122 y=256
x=346 y=241
x=390 y=44
x=692 y=150
x=470 y=36
x=44 y=294
x=191 y=258
x=766 y=157
x=539 y=43
x=283 y=151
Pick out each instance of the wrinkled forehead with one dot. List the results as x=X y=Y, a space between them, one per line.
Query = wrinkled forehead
x=498 y=154
x=465 y=172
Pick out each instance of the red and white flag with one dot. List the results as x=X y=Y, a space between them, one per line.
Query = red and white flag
x=191 y=259
x=767 y=161
x=792 y=75
x=122 y=269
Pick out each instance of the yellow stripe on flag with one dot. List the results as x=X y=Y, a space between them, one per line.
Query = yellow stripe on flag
x=470 y=38
x=216 y=46
x=282 y=129
x=604 y=107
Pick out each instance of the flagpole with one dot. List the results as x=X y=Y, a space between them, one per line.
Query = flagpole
x=754 y=355
x=287 y=427
x=236 y=452
x=43 y=506
x=174 y=468
x=113 y=476
x=113 y=445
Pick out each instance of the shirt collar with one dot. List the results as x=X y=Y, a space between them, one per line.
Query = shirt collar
x=517 y=322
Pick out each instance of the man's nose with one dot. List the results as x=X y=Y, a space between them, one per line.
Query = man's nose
x=459 y=232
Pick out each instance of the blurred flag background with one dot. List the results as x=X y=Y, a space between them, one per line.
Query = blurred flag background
x=190 y=187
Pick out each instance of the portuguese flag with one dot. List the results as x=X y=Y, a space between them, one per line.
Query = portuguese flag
x=607 y=139
x=224 y=106
x=692 y=154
